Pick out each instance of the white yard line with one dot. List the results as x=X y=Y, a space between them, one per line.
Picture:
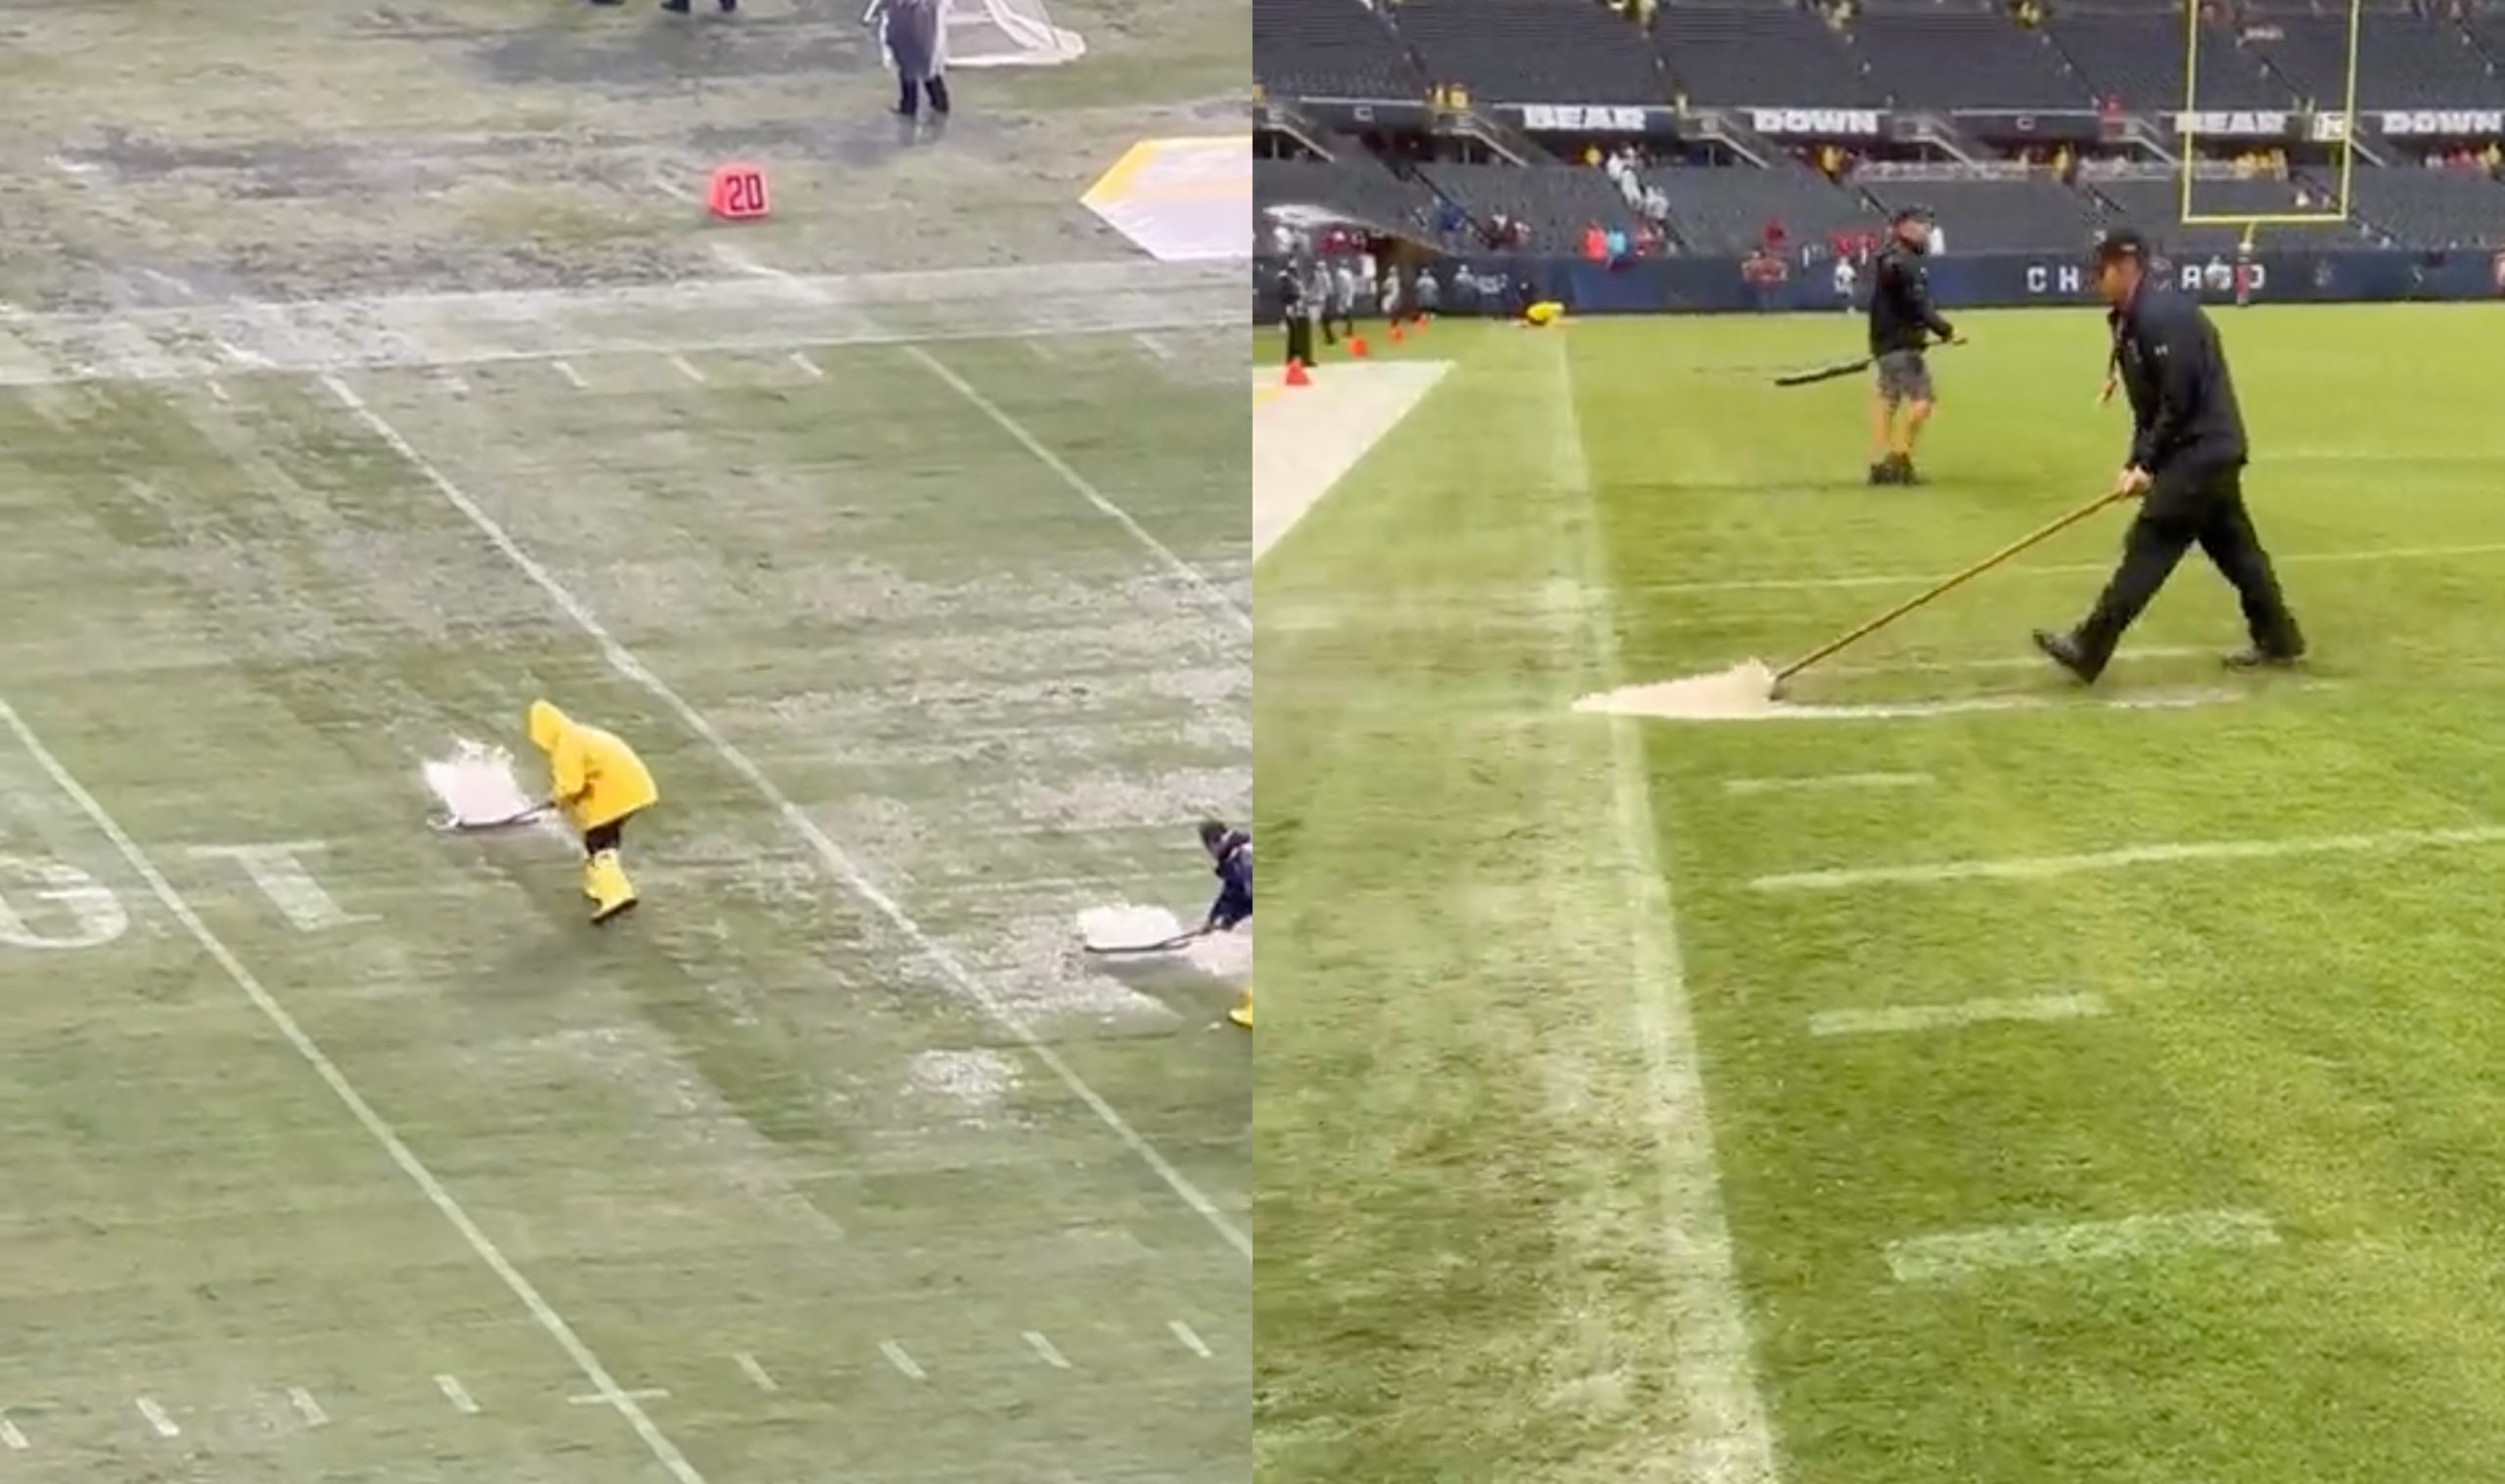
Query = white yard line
x=10 y=1435
x=574 y=377
x=2041 y=867
x=383 y=1133
x=1080 y=485
x=157 y=1421
x=902 y=1361
x=457 y=1394
x=1190 y=1337
x=1825 y=781
x=756 y=1372
x=1914 y=1017
x=1046 y=1351
x=307 y=1408
x=1956 y=1255
x=837 y=861
x=1727 y=1439
x=801 y=359
x=2049 y=569
x=687 y=368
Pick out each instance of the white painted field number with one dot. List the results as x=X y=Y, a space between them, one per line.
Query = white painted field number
x=77 y=910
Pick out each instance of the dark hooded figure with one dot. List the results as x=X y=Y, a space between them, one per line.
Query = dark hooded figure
x=915 y=40
x=1232 y=850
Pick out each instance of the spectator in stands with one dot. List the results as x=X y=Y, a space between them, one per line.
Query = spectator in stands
x=1595 y=242
x=1648 y=240
x=1616 y=243
x=1656 y=205
x=1773 y=238
x=1591 y=155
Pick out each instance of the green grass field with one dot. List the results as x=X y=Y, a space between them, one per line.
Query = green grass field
x=2221 y=1202
x=802 y=1195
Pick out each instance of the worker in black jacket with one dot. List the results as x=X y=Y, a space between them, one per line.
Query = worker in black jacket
x=2186 y=469
x=1903 y=323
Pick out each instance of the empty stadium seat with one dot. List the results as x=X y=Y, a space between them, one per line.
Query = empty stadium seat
x=2430 y=208
x=2031 y=216
x=1329 y=49
x=1532 y=51
x=1956 y=59
x=2403 y=61
x=2140 y=59
x=1758 y=57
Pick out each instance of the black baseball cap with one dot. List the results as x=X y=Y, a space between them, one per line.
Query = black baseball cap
x=1910 y=213
x=2117 y=244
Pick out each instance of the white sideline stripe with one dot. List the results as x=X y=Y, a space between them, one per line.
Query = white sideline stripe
x=902 y=1361
x=1045 y=1350
x=837 y=861
x=566 y=368
x=157 y=1419
x=457 y=1394
x=756 y=1372
x=1907 y=1018
x=2051 y=569
x=10 y=1435
x=307 y=1408
x=1190 y=1337
x=1080 y=485
x=383 y=1133
x=687 y=368
x=598 y=1399
x=2039 y=867
x=1744 y=785
x=1955 y=1254
x=1726 y=1438
x=802 y=360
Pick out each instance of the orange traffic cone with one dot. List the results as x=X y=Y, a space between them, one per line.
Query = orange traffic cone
x=1356 y=347
x=1395 y=332
x=1296 y=373
x=1418 y=325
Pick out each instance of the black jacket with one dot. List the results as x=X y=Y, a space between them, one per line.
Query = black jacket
x=1235 y=881
x=2183 y=408
x=1901 y=317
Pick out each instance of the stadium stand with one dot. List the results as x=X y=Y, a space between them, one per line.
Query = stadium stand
x=1329 y=49
x=1953 y=60
x=2402 y=62
x=1758 y=56
x=1726 y=210
x=1354 y=184
x=1994 y=216
x=2139 y=58
x=1553 y=202
x=1532 y=51
x=2432 y=208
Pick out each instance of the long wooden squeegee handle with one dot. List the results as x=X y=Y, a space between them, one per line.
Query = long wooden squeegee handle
x=2044 y=532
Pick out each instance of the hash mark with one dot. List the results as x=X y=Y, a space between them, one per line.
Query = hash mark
x=566 y=370
x=687 y=369
x=307 y=1408
x=457 y=1394
x=807 y=365
x=157 y=1419
x=614 y=1398
x=1190 y=1340
x=902 y=1361
x=1045 y=1349
x=10 y=1435
x=755 y=1371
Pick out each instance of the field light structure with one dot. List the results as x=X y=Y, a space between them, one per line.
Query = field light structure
x=2347 y=116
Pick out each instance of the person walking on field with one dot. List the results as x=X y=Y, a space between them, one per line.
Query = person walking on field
x=599 y=783
x=2186 y=469
x=1903 y=323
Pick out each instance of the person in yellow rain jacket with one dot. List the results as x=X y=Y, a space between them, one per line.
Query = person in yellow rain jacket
x=599 y=783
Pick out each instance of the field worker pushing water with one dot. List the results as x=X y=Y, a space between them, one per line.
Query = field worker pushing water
x=599 y=783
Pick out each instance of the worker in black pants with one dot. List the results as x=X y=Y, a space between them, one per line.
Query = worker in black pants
x=2186 y=469
x=1300 y=322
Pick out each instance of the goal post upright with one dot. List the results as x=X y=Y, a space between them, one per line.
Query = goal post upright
x=2187 y=135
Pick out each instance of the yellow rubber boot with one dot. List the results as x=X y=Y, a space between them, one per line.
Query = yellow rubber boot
x=591 y=879
x=1242 y=1015
x=612 y=892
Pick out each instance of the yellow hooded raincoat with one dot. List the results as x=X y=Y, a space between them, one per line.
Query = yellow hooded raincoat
x=596 y=779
